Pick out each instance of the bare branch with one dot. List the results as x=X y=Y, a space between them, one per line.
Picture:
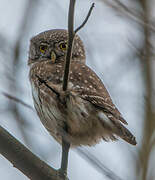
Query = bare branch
x=24 y=159
x=86 y=19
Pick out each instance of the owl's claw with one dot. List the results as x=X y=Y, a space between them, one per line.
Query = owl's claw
x=62 y=174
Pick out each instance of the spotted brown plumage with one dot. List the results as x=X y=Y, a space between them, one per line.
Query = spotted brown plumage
x=85 y=113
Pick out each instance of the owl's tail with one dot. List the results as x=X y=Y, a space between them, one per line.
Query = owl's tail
x=124 y=133
x=117 y=129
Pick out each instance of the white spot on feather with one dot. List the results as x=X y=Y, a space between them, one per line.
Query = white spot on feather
x=85 y=81
x=70 y=85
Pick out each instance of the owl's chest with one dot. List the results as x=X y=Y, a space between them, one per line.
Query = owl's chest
x=47 y=105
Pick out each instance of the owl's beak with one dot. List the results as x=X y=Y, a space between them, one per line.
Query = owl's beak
x=53 y=56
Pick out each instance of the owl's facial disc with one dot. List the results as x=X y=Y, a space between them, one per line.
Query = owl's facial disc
x=52 y=45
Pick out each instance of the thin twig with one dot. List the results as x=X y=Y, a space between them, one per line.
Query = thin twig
x=86 y=19
x=9 y=96
x=97 y=164
x=45 y=83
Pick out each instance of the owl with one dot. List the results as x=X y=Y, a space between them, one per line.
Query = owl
x=85 y=113
x=82 y=115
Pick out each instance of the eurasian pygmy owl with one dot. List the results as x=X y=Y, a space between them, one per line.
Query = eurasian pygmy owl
x=85 y=113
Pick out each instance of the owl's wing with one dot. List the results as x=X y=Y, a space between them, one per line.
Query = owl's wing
x=101 y=102
x=91 y=88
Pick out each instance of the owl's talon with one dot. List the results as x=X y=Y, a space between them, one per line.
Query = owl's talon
x=62 y=174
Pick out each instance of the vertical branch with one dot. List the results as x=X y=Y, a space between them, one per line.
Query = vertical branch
x=71 y=35
x=149 y=124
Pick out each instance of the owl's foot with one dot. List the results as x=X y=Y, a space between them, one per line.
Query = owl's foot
x=62 y=174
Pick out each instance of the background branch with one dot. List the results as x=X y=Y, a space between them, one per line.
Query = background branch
x=24 y=160
x=9 y=96
x=97 y=164
x=14 y=71
x=149 y=124
x=129 y=13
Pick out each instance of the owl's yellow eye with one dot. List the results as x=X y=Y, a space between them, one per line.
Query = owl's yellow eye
x=43 y=48
x=63 y=46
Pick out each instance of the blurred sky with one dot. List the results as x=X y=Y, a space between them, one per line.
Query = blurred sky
x=110 y=40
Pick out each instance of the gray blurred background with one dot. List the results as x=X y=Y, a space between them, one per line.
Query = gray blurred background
x=114 y=38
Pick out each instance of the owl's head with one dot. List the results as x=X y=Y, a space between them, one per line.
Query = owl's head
x=52 y=45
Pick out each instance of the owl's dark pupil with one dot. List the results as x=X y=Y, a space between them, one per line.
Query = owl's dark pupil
x=63 y=46
x=43 y=48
